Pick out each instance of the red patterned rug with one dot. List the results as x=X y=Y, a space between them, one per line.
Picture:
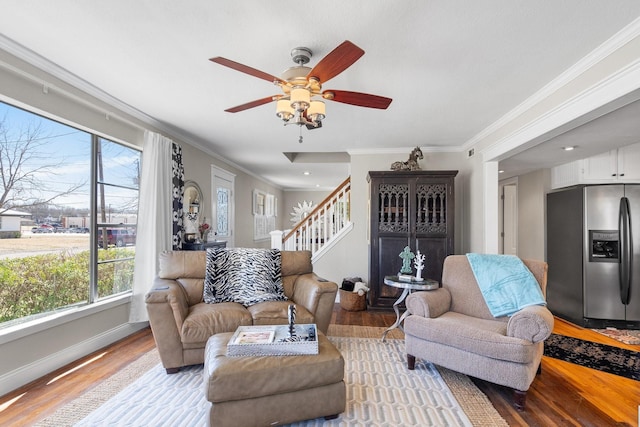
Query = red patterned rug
x=627 y=336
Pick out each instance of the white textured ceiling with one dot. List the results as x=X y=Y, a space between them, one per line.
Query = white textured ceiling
x=452 y=67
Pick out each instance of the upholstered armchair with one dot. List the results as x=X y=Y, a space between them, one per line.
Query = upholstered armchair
x=453 y=327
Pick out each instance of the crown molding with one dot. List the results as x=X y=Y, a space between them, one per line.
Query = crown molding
x=607 y=48
x=622 y=85
x=403 y=150
x=65 y=76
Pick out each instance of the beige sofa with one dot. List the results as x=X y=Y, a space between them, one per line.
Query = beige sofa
x=182 y=323
x=453 y=327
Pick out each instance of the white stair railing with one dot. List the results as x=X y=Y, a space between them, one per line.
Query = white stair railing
x=323 y=224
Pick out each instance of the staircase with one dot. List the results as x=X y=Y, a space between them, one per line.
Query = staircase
x=322 y=228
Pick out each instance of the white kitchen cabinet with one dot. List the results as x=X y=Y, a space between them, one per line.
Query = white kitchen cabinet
x=600 y=168
x=566 y=175
x=619 y=165
x=629 y=163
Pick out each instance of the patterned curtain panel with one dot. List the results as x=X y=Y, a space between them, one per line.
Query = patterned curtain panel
x=178 y=192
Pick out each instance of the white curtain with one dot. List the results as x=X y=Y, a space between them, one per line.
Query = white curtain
x=155 y=218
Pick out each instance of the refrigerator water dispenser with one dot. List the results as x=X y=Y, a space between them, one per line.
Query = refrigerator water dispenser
x=604 y=246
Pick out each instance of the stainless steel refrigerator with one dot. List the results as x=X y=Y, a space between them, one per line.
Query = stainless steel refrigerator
x=593 y=252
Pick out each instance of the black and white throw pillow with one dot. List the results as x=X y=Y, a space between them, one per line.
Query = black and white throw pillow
x=243 y=275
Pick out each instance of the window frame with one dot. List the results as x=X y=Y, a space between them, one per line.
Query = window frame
x=94 y=303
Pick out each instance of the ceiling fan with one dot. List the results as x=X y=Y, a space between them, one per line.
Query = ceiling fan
x=302 y=86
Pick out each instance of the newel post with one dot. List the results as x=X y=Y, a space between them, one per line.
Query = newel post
x=276 y=239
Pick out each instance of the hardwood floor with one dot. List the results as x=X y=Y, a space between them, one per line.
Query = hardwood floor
x=563 y=394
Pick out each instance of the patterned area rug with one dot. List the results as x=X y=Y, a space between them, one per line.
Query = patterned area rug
x=380 y=392
x=605 y=358
x=627 y=336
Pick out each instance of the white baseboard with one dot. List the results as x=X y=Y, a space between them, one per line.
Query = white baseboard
x=25 y=374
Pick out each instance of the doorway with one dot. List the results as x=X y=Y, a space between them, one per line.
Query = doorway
x=223 y=204
x=508 y=220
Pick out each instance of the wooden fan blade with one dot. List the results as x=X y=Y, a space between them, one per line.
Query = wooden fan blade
x=256 y=103
x=336 y=61
x=357 y=98
x=246 y=69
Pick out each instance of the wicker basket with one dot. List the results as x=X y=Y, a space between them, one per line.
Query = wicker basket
x=351 y=301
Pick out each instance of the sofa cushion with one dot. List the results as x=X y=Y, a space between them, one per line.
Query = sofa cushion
x=244 y=275
x=277 y=313
x=296 y=263
x=205 y=320
x=187 y=268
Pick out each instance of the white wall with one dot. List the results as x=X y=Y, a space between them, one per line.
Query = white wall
x=532 y=190
x=10 y=223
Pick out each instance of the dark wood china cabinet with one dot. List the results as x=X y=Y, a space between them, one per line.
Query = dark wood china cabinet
x=408 y=208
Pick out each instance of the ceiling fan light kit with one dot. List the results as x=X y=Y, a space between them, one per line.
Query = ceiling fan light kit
x=316 y=111
x=284 y=109
x=300 y=84
x=300 y=99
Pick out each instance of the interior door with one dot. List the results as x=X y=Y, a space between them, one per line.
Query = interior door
x=223 y=205
x=509 y=220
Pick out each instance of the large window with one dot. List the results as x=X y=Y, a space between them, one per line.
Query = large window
x=76 y=197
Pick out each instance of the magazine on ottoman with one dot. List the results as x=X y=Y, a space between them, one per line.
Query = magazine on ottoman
x=273 y=340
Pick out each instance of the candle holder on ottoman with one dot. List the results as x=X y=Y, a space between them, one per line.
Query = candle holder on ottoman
x=272 y=390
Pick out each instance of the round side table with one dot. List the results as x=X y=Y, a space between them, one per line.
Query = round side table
x=407 y=287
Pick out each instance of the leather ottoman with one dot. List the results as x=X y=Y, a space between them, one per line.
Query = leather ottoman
x=272 y=390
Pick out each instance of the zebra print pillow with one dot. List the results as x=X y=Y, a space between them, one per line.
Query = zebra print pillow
x=243 y=275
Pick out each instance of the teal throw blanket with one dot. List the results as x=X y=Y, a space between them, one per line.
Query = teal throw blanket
x=506 y=283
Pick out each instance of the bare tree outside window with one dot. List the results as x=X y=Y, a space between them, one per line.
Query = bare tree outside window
x=27 y=166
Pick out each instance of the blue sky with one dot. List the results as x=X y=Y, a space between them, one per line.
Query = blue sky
x=66 y=152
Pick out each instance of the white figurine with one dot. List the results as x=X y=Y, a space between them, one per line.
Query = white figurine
x=418 y=263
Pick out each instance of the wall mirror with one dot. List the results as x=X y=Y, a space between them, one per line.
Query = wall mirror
x=192 y=200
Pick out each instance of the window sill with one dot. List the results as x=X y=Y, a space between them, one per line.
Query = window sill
x=21 y=330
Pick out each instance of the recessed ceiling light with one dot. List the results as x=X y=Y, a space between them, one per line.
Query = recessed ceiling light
x=307 y=173
x=568 y=148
